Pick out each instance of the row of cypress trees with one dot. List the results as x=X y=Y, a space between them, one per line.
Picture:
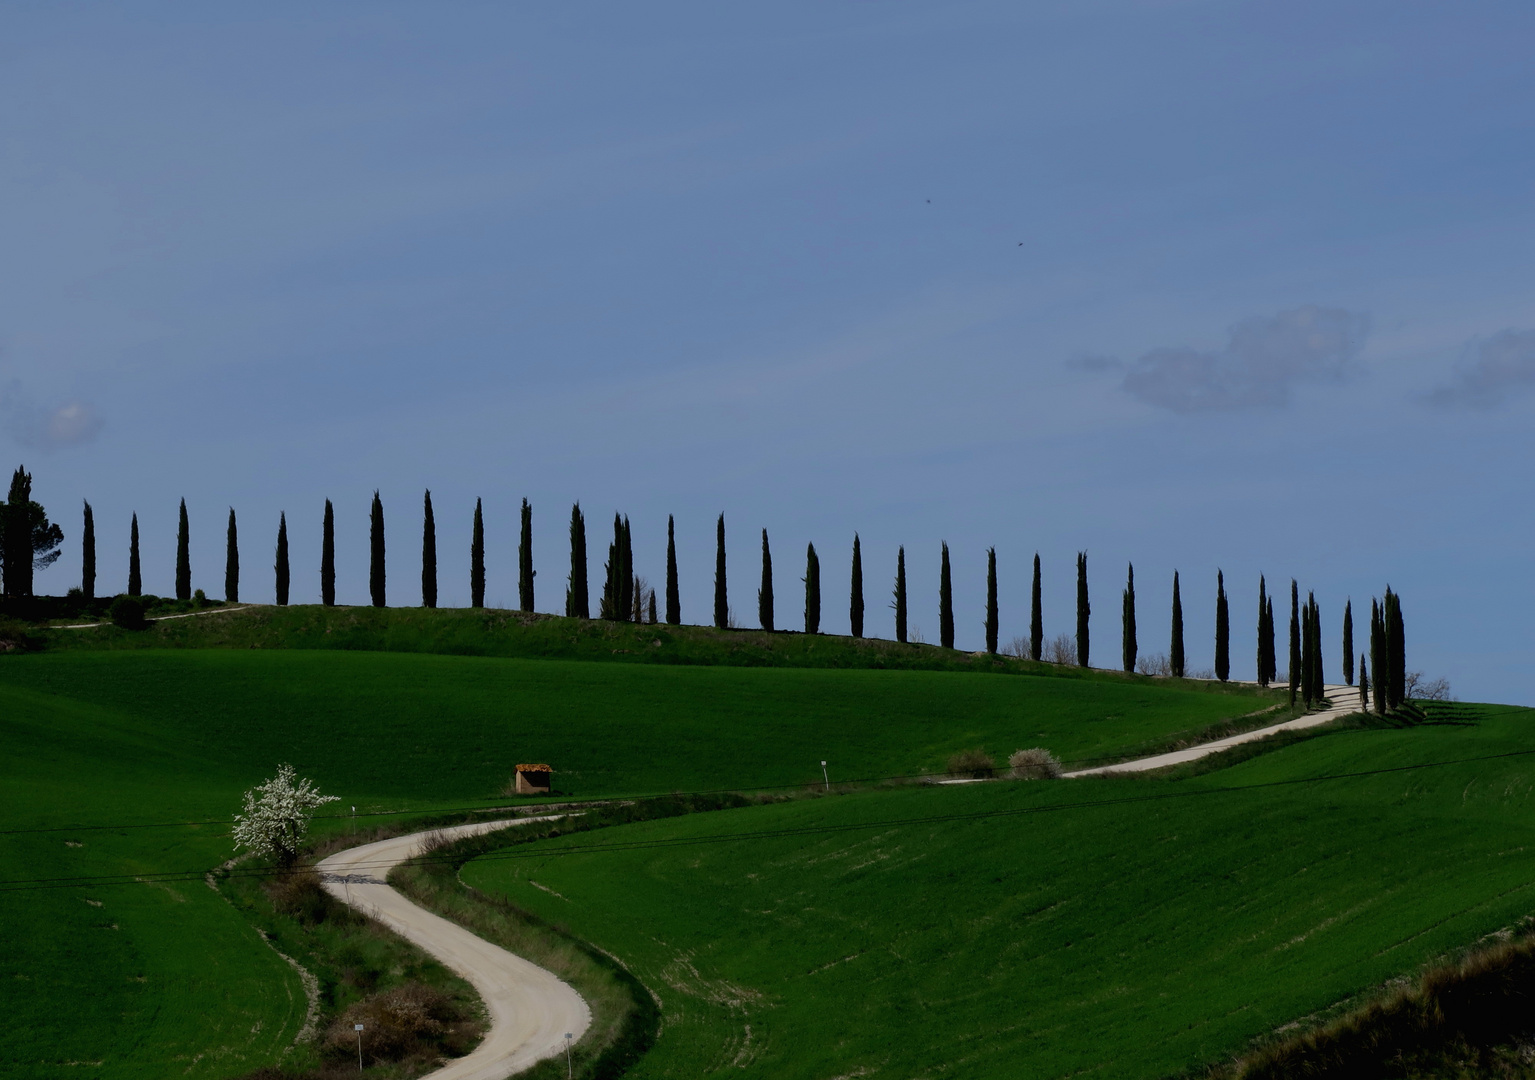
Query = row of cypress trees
x=625 y=597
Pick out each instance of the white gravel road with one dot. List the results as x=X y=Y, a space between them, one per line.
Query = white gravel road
x=1345 y=700
x=531 y=1009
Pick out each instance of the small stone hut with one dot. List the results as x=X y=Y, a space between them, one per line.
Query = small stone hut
x=533 y=779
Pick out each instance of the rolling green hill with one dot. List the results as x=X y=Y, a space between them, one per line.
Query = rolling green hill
x=154 y=980
x=1104 y=928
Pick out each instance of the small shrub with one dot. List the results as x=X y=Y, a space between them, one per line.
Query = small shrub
x=300 y=896
x=973 y=763
x=1154 y=664
x=199 y=600
x=127 y=612
x=410 y=1021
x=1060 y=650
x=1034 y=764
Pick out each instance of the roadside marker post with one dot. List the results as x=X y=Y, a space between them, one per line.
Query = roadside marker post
x=569 y=1068
x=358 y=1028
x=824 y=778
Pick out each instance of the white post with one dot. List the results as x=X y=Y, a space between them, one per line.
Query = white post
x=358 y=1028
x=824 y=777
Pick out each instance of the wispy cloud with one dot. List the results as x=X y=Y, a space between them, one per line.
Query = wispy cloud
x=71 y=424
x=1493 y=370
x=1263 y=359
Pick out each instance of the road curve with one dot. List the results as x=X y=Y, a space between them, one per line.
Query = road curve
x=530 y=1008
x=1345 y=700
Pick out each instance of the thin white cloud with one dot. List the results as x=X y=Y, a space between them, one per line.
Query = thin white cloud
x=1263 y=359
x=1494 y=370
x=71 y=424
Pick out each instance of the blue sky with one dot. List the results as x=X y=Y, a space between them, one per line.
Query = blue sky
x=1198 y=285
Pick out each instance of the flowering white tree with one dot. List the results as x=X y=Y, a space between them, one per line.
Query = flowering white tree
x=276 y=815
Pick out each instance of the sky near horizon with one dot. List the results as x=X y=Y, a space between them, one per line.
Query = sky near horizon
x=1197 y=285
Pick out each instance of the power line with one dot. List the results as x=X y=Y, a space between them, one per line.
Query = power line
x=35 y=884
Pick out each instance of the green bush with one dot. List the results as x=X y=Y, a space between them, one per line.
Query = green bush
x=128 y=613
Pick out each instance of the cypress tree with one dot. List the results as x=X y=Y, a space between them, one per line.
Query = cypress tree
x=1307 y=667
x=280 y=567
x=578 y=604
x=1222 y=629
x=1295 y=658
x=1318 y=671
x=652 y=607
x=638 y=595
x=183 y=556
x=945 y=603
x=1273 y=655
x=1396 y=648
x=525 y=571
x=609 y=608
x=1036 y=617
x=1263 y=632
x=991 y=601
x=626 y=580
x=135 y=579
x=900 y=595
x=765 y=593
x=1175 y=649
x=428 y=553
x=376 y=551
x=477 y=558
x=1128 y=646
x=232 y=562
x=812 y=591
x=855 y=599
x=88 y=555
x=1378 y=656
x=673 y=596
x=1348 y=642
x=721 y=594
x=1084 y=609
x=328 y=557
x=1364 y=684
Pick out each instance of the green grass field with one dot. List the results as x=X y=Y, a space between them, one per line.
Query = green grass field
x=154 y=980
x=1113 y=928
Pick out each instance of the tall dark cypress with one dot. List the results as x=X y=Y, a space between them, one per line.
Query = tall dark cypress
x=812 y=591
x=1273 y=655
x=577 y=599
x=991 y=601
x=1295 y=659
x=855 y=596
x=477 y=558
x=1175 y=648
x=1222 y=629
x=1348 y=642
x=428 y=553
x=1264 y=640
x=525 y=571
x=765 y=593
x=1364 y=684
x=627 y=584
x=232 y=562
x=673 y=596
x=183 y=556
x=1318 y=672
x=1379 y=661
x=721 y=593
x=945 y=603
x=328 y=557
x=1084 y=610
x=376 y=577
x=900 y=594
x=1307 y=666
x=1129 y=648
x=280 y=566
x=1396 y=648
x=135 y=578
x=652 y=607
x=612 y=590
x=1036 y=617
x=88 y=555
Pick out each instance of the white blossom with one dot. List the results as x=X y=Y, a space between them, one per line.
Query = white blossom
x=276 y=815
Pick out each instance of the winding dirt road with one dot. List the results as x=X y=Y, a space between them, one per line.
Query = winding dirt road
x=531 y=1009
